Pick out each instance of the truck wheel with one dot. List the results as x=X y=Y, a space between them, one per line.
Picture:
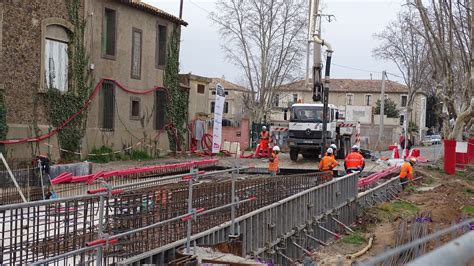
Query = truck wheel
x=294 y=155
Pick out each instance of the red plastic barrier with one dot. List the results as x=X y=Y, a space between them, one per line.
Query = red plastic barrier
x=415 y=153
x=461 y=160
x=450 y=156
x=470 y=151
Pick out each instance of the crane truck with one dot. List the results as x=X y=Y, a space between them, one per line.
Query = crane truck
x=313 y=127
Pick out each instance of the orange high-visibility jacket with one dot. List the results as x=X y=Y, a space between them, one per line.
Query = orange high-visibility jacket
x=327 y=163
x=273 y=163
x=406 y=171
x=332 y=155
x=354 y=160
x=264 y=136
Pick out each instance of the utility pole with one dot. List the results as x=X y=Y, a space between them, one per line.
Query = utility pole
x=382 y=112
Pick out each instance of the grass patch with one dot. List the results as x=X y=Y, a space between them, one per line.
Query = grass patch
x=461 y=173
x=469 y=192
x=103 y=154
x=390 y=211
x=428 y=180
x=469 y=210
x=470 y=178
x=410 y=188
x=355 y=239
x=138 y=155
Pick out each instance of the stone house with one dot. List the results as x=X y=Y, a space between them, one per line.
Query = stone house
x=126 y=43
x=357 y=101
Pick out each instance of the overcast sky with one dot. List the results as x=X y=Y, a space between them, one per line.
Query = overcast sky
x=350 y=35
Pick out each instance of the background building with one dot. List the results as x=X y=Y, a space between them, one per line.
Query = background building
x=357 y=101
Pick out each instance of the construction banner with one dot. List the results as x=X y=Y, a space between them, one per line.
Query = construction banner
x=218 y=110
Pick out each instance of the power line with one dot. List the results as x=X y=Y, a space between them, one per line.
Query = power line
x=200 y=7
x=366 y=70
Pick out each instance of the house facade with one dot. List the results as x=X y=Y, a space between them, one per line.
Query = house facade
x=357 y=101
x=235 y=122
x=126 y=45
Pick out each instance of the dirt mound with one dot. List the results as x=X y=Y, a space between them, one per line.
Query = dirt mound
x=446 y=201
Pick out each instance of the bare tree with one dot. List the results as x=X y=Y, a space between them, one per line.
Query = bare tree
x=446 y=27
x=265 y=38
x=403 y=45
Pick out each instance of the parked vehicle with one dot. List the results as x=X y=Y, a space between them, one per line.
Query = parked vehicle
x=431 y=140
x=436 y=139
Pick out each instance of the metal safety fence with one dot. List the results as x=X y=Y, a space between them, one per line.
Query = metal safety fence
x=118 y=222
x=279 y=232
x=28 y=180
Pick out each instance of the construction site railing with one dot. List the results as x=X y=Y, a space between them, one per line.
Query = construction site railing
x=61 y=229
x=464 y=226
x=276 y=231
x=28 y=180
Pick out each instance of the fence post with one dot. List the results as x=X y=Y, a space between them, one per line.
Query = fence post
x=40 y=166
x=190 y=208
x=233 y=200
x=99 y=254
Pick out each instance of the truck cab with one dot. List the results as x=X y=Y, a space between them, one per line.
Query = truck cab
x=305 y=129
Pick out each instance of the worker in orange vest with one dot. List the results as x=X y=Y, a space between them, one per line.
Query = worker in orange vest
x=273 y=161
x=406 y=173
x=264 y=137
x=328 y=163
x=354 y=162
x=334 y=148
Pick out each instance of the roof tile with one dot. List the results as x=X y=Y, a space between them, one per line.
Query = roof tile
x=138 y=4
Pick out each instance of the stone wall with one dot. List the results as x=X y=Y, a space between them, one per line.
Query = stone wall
x=20 y=68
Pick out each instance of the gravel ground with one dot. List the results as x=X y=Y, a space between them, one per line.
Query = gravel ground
x=285 y=162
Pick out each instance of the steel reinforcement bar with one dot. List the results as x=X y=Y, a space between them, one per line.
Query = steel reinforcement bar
x=38 y=230
x=277 y=231
x=285 y=231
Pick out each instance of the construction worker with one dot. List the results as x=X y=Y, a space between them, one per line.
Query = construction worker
x=334 y=149
x=273 y=162
x=406 y=172
x=328 y=163
x=354 y=161
x=264 y=137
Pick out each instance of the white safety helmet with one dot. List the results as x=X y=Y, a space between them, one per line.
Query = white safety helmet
x=264 y=128
x=333 y=146
x=330 y=151
x=355 y=148
x=276 y=148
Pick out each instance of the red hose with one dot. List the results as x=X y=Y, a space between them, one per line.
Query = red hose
x=84 y=107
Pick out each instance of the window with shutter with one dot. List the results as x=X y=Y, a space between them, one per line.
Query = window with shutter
x=136 y=53
x=160 y=105
x=201 y=89
x=108 y=33
x=108 y=105
x=213 y=106
x=160 y=50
